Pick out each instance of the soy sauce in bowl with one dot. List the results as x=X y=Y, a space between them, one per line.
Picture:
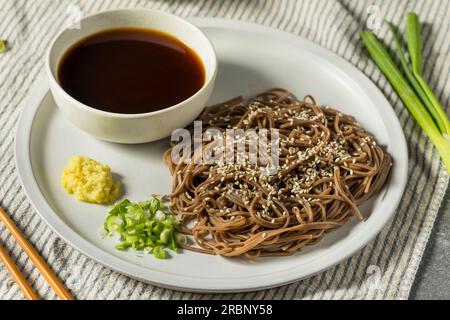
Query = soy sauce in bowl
x=131 y=71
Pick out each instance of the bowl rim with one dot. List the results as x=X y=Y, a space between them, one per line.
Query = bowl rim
x=85 y=107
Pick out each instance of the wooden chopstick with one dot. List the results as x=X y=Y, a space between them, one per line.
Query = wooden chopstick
x=45 y=270
x=17 y=275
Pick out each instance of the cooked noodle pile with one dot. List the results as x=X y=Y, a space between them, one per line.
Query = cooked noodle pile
x=328 y=165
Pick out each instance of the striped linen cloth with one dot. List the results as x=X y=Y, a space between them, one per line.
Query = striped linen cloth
x=384 y=269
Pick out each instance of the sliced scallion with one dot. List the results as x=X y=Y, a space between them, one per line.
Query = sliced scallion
x=145 y=226
x=2 y=46
x=159 y=252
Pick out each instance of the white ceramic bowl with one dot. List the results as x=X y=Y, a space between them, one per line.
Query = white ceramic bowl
x=132 y=128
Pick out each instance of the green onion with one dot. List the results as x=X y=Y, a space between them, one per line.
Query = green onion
x=2 y=46
x=180 y=238
x=413 y=36
x=165 y=235
x=415 y=106
x=113 y=224
x=410 y=75
x=159 y=252
x=145 y=226
x=123 y=246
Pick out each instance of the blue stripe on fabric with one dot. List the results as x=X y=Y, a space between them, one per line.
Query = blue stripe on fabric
x=261 y=9
x=8 y=22
x=11 y=25
x=281 y=14
x=263 y=21
x=294 y=20
x=246 y=9
x=19 y=57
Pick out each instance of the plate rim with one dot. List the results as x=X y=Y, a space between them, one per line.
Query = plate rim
x=32 y=190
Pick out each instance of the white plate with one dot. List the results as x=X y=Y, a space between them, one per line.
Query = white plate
x=252 y=58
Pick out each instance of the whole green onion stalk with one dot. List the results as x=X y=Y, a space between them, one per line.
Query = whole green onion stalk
x=413 y=90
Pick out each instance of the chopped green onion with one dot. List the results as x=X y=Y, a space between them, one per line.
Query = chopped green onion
x=165 y=235
x=142 y=226
x=180 y=238
x=415 y=106
x=172 y=242
x=2 y=46
x=159 y=252
x=153 y=204
x=148 y=250
x=123 y=246
x=159 y=215
x=113 y=224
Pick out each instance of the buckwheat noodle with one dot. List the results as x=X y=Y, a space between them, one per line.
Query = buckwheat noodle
x=328 y=165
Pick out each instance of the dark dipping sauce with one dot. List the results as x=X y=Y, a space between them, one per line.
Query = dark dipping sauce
x=131 y=70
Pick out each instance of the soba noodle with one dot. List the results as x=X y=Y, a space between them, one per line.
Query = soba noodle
x=328 y=165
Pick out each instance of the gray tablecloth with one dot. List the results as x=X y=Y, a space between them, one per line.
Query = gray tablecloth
x=383 y=269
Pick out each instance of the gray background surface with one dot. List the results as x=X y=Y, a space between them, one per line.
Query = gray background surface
x=433 y=278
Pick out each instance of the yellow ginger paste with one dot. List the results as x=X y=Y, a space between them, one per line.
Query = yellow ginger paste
x=89 y=180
